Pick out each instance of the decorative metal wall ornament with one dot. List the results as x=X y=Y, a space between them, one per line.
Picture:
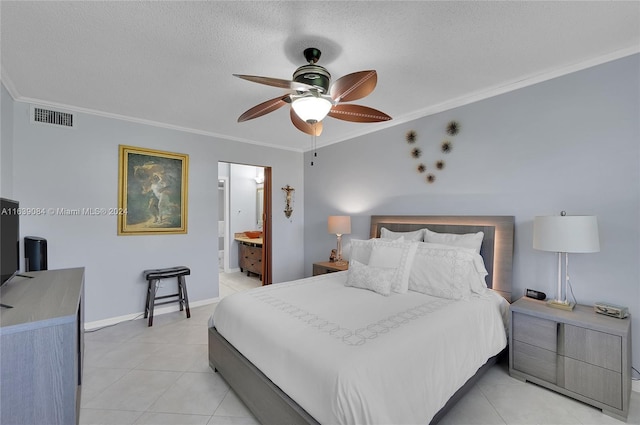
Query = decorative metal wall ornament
x=453 y=128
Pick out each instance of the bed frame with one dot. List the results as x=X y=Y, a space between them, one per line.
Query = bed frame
x=271 y=405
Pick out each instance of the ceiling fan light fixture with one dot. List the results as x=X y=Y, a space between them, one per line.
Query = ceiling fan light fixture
x=311 y=109
x=313 y=96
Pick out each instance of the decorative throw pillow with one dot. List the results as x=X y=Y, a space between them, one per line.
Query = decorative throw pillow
x=442 y=271
x=360 y=250
x=377 y=279
x=416 y=235
x=467 y=240
x=396 y=255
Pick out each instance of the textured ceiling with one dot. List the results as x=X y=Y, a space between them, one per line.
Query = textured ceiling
x=171 y=62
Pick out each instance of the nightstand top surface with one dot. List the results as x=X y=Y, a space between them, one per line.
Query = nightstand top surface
x=582 y=315
x=332 y=265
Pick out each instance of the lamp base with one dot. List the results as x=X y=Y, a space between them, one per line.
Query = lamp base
x=563 y=305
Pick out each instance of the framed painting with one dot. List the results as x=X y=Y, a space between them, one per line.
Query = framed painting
x=152 y=191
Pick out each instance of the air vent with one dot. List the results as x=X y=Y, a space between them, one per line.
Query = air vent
x=48 y=116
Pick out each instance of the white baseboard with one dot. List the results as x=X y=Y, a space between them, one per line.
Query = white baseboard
x=635 y=386
x=162 y=310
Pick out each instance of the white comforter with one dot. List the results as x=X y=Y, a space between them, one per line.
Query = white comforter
x=351 y=356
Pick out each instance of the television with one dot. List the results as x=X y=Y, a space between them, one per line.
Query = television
x=9 y=239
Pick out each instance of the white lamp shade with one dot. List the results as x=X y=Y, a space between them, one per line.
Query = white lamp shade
x=339 y=224
x=311 y=108
x=569 y=233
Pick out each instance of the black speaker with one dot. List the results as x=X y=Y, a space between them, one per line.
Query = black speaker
x=35 y=253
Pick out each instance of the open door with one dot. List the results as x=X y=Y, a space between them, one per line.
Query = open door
x=266 y=229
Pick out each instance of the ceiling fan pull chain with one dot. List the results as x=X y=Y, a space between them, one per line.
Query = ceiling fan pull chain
x=313 y=144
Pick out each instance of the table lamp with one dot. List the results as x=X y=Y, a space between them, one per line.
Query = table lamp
x=339 y=225
x=565 y=234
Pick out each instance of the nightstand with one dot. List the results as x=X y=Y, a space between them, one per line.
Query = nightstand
x=328 y=267
x=579 y=353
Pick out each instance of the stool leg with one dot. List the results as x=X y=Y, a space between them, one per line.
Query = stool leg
x=152 y=301
x=146 y=305
x=183 y=290
x=180 y=294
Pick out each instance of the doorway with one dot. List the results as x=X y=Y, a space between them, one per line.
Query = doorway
x=244 y=204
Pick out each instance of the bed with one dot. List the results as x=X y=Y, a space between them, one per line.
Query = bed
x=320 y=351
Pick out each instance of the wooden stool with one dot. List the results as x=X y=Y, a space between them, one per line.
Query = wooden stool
x=154 y=276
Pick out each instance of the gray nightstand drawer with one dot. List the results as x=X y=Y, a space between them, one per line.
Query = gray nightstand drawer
x=535 y=361
x=597 y=348
x=578 y=353
x=535 y=331
x=594 y=382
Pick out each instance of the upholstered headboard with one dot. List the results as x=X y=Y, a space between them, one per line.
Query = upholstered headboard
x=497 y=245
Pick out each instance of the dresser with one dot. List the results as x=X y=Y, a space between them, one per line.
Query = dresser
x=250 y=255
x=41 y=348
x=578 y=353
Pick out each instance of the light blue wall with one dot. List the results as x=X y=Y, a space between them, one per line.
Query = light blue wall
x=571 y=143
x=75 y=168
x=6 y=143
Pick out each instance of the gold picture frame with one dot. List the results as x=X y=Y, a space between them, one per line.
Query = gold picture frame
x=152 y=191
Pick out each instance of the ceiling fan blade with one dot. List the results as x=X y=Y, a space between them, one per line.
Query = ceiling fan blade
x=354 y=86
x=305 y=127
x=276 y=82
x=357 y=113
x=264 y=108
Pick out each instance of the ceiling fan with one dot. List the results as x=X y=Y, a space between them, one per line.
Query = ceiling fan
x=313 y=97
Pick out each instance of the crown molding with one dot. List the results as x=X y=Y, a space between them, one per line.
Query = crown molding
x=8 y=84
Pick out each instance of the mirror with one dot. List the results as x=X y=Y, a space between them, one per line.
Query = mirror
x=259 y=206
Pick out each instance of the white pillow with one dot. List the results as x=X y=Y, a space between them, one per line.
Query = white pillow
x=446 y=272
x=478 y=283
x=416 y=235
x=361 y=250
x=377 y=279
x=396 y=255
x=467 y=240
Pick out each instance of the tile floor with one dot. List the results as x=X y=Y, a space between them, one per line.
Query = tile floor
x=134 y=374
